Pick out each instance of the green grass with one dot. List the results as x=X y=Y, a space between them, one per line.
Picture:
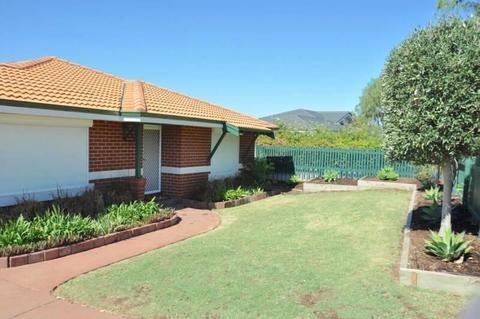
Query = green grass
x=328 y=255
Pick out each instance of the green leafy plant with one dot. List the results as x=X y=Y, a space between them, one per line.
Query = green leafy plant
x=240 y=192
x=433 y=194
x=294 y=180
x=388 y=173
x=426 y=175
x=257 y=173
x=449 y=246
x=359 y=134
x=124 y=216
x=16 y=232
x=330 y=175
x=56 y=226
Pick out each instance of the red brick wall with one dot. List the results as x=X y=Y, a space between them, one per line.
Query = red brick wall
x=182 y=185
x=247 y=147
x=107 y=148
x=185 y=146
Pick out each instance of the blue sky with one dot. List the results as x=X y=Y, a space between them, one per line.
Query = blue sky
x=258 y=57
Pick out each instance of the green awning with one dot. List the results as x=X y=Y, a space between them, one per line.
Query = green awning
x=232 y=129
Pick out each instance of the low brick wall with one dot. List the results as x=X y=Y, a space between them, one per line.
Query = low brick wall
x=135 y=185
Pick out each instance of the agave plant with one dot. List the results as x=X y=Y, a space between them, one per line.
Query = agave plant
x=433 y=194
x=449 y=246
x=330 y=175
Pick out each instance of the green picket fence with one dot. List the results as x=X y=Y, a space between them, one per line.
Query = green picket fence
x=309 y=163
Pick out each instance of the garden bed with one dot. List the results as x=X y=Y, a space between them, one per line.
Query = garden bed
x=62 y=251
x=417 y=268
x=338 y=181
x=320 y=185
x=420 y=231
x=228 y=204
x=403 y=183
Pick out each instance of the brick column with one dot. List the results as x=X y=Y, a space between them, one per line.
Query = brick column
x=185 y=151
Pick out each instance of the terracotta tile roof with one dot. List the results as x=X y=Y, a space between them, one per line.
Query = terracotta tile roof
x=54 y=81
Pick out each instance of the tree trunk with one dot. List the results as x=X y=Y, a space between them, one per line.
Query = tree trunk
x=447 y=171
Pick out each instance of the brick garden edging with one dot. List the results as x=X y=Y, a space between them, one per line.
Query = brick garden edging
x=227 y=204
x=439 y=281
x=57 y=252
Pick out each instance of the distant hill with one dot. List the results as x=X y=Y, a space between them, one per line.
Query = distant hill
x=302 y=119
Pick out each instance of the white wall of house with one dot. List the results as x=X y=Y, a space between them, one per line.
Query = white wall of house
x=224 y=162
x=40 y=154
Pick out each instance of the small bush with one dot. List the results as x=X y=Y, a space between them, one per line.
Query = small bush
x=240 y=192
x=433 y=194
x=388 y=174
x=257 y=173
x=449 y=247
x=330 y=175
x=426 y=176
x=294 y=180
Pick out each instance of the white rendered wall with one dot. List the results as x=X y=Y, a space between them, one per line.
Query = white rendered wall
x=39 y=155
x=224 y=162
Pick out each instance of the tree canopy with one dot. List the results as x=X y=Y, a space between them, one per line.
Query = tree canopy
x=459 y=5
x=358 y=134
x=370 y=106
x=432 y=94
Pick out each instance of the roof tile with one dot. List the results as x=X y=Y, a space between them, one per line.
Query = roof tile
x=54 y=81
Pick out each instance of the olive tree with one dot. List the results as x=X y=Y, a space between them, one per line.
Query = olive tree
x=431 y=95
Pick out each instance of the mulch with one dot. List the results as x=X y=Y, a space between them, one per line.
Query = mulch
x=461 y=221
x=339 y=181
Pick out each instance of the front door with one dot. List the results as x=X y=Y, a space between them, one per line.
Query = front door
x=151 y=159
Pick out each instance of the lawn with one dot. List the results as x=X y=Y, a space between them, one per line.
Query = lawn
x=326 y=255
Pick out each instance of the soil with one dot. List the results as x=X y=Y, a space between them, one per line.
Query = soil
x=401 y=180
x=461 y=222
x=339 y=181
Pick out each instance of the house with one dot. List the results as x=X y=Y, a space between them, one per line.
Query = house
x=69 y=127
x=304 y=120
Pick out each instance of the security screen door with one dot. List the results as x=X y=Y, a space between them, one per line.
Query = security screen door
x=151 y=160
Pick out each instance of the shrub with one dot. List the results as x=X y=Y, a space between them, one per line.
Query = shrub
x=358 y=135
x=433 y=194
x=388 y=174
x=330 y=175
x=257 y=173
x=426 y=176
x=449 y=246
x=294 y=180
x=211 y=191
x=240 y=192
